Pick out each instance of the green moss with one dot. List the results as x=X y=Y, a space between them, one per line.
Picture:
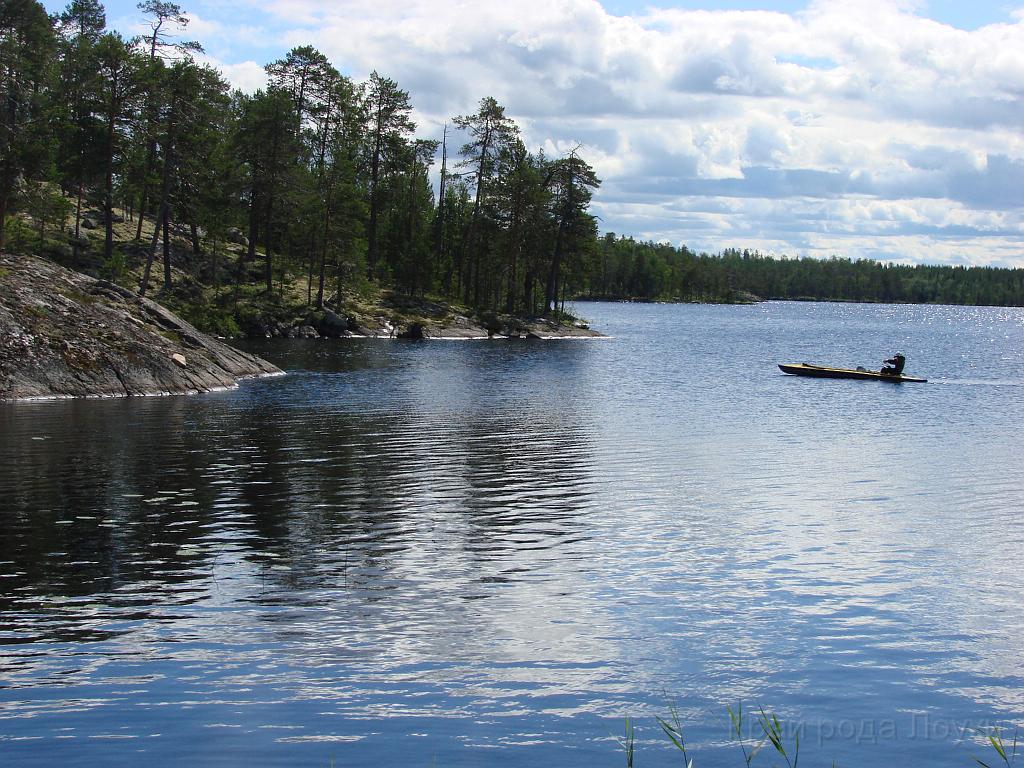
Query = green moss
x=173 y=336
x=77 y=296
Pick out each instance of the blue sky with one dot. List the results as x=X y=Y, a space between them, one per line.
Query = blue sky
x=887 y=129
x=963 y=14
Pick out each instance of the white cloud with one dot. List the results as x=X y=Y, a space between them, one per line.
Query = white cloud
x=856 y=126
x=247 y=76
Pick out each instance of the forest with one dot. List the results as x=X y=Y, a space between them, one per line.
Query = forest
x=627 y=269
x=323 y=188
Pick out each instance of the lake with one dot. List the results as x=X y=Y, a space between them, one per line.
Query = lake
x=493 y=552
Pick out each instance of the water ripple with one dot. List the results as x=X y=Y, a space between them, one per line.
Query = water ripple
x=492 y=552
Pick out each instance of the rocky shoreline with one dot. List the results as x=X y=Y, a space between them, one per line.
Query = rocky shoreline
x=328 y=324
x=65 y=334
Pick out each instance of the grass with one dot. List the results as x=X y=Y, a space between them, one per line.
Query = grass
x=995 y=740
x=77 y=296
x=771 y=734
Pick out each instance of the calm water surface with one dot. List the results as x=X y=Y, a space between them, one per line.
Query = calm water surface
x=490 y=553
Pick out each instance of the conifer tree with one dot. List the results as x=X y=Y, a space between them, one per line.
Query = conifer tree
x=27 y=47
x=388 y=123
x=489 y=131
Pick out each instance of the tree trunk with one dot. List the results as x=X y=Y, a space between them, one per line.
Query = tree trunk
x=215 y=261
x=510 y=302
x=323 y=259
x=250 y=251
x=551 y=294
x=266 y=247
x=161 y=219
x=165 y=197
x=167 y=247
x=78 y=215
x=142 y=215
x=439 y=235
x=150 y=162
x=309 y=277
x=323 y=277
x=108 y=181
x=151 y=255
x=414 y=269
x=4 y=196
x=515 y=239
x=476 y=276
x=340 y=280
x=473 y=261
x=371 y=235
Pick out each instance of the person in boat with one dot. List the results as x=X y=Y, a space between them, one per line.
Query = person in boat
x=894 y=365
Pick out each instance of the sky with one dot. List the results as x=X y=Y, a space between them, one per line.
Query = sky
x=883 y=129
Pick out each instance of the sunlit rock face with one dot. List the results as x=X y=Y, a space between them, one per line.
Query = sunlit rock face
x=64 y=334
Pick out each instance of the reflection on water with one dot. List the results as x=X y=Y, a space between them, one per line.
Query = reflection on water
x=491 y=552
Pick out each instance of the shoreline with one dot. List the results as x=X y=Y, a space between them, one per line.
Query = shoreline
x=64 y=334
x=125 y=395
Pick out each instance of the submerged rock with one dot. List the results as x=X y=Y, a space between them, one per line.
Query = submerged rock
x=64 y=334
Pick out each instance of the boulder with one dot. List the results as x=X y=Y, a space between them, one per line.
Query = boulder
x=302 y=332
x=332 y=325
x=236 y=236
x=413 y=331
x=88 y=223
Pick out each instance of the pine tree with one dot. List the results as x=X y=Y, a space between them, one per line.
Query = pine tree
x=266 y=142
x=572 y=179
x=118 y=88
x=387 y=109
x=27 y=46
x=78 y=125
x=489 y=131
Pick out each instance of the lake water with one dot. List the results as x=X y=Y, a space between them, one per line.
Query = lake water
x=491 y=553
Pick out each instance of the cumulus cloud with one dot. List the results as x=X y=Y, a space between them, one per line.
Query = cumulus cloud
x=247 y=76
x=853 y=126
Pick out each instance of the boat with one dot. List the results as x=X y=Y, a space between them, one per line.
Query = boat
x=825 y=372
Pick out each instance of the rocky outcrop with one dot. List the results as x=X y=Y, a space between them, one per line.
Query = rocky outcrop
x=461 y=327
x=64 y=334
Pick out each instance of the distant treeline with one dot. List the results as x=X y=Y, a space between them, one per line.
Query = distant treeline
x=627 y=269
x=323 y=181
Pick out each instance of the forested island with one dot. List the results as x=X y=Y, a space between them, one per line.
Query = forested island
x=312 y=204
